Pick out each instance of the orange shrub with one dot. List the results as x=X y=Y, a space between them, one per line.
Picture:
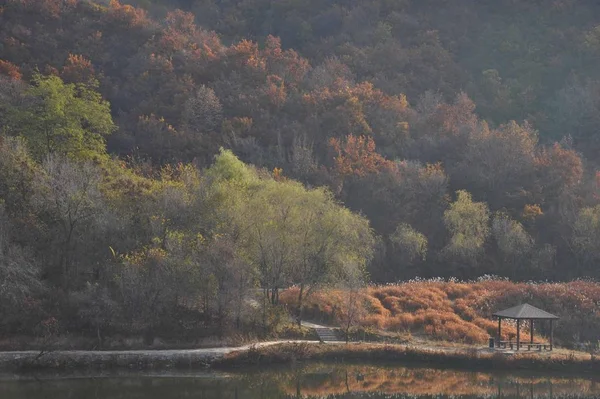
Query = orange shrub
x=375 y=321
x=400 y=322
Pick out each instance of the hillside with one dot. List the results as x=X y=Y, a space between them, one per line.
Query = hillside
x=161 y=160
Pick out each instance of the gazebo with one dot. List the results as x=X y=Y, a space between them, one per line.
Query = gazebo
x=525 y=312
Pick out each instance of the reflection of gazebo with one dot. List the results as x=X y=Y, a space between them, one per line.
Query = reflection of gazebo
x=525 y=312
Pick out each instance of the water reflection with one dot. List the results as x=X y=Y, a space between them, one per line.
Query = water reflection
x=310 y=381
x=420 y=382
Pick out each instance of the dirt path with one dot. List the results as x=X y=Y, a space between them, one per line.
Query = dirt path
x=131 y=359
x=147 y=352
x=313 y=325
x=207 y=354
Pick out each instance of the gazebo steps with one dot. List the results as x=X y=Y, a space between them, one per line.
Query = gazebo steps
x=326 y=334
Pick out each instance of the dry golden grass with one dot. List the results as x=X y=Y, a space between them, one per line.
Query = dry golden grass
x=461 y=312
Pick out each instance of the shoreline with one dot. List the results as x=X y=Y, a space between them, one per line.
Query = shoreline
x=292 y=352
x=461 y=358
x=64 y=360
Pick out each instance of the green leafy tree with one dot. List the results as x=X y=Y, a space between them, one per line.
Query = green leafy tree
x=468 y=224
x=17 y=171
x=411 y=244
x=63 y=119
x=292 y=235
x=514 y=243
x=510 y=235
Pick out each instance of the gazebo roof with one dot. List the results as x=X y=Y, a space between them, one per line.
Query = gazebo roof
x=525 y=311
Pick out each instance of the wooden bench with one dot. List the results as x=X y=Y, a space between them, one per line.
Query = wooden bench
x=512 y=344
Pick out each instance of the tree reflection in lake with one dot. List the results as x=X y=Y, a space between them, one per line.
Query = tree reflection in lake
x=310 y=381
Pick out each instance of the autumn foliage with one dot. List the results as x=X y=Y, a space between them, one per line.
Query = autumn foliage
x=10 y=70
x=388 y=117
x=357 y=156
x=465 y=132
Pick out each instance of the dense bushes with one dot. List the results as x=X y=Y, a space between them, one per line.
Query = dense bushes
x=92 y=247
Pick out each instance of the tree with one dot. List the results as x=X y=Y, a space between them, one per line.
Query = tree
x=290 y=234
x=17 y=172
x=147 y=285
x=335 y=244
x=232 y=277
x=468 y=224
x=11 y=93
x=499 y=164
x=203 y=111
x=441 y=130
x=559 y=171
x=327 y=73
x=9 y=69
x=78 y=69
x=411 y=244
x=21 y=285
x=586 y=235
x=64 y=119
x=357 y=156
x=514 y=243
x=302 y=237
x=19 y=272
x=575 y=112
x=95 y=309
x=68 y=198
x=511 y=237
x=351 y=310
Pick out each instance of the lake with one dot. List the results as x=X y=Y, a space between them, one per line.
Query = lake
x=307 y=381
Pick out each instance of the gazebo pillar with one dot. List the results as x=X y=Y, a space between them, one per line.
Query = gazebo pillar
x=531 y=331
x=551 y=334
x=518 y=333
x=499 y=332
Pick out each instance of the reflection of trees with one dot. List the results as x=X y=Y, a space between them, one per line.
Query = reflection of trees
x=341 y=380
x=317 y=381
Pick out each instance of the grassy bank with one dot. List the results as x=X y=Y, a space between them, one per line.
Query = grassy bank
x=67 y=361
x=71 y=342
x=468 y=359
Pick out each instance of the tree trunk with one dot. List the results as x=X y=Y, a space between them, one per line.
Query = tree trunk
x=99 y=337
x=347 y=332
x=300 y=298
x=265 y=299
x=274 y=296
x=66 y=256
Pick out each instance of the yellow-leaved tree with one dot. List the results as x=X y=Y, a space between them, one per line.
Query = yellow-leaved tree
x=291 y=235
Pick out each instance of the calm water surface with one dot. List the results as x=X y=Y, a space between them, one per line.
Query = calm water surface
x=311 y=381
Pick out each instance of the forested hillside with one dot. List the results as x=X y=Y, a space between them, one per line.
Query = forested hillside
x=403 y=138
